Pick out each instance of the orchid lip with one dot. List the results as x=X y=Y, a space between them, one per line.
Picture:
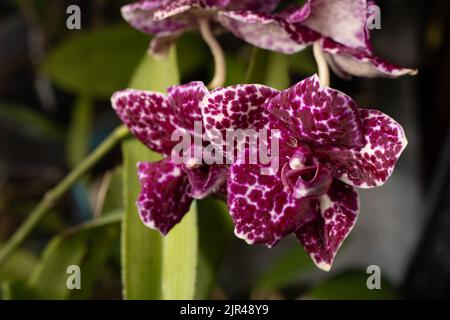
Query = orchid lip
x=306 y=181
x=315 y=187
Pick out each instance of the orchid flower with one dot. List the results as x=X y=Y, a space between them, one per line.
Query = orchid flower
x=338 y=30
x=327 y=148
x=167 y=187
x=168 y=19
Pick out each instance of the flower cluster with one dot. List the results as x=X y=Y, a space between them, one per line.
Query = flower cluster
x=323 y=144
x=327 y=148
x=338 y=28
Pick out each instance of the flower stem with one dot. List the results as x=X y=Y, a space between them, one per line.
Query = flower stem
x=217 y=52
x=50 y=198
x=322 y=65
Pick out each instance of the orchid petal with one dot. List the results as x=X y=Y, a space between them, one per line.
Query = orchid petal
x=318 y=115
x=177 y=7
x=345 y=21
x=148 y=115
x=140 y=16
x=336 y=214
x=267 y=32
x=371 y=165
x=232 y=108
x=347 y=62
x=173 y=8
x=314 y=181
x=296 y=14
x=206 y=180
x=164 y=199
x=186 y=100
x=263 y=210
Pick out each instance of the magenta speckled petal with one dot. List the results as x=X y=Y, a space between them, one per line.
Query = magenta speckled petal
x=235 y=107
x=296 y=14
x=140 y=16
x=173 y=8
x=176 y=7
x=336 y=214
x=348 y=62
x=268 y=32
x=186 y=100
x=344 y=21
x=371 y=165
x=317 y=115
x=263 y=210
x=206 y=180
x=164 y=199
x=149 y=116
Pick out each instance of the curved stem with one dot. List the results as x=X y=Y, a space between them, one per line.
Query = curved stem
x=53 y=195
x=217 y=52
x=322 y=65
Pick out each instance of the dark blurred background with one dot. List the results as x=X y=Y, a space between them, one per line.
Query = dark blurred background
x=55 y=85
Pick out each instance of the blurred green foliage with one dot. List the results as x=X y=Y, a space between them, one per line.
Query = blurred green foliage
x=23 y=120
x=96 y=63
x=352 y=286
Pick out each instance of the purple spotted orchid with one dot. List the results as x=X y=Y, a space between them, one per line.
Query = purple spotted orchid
x=339 y=29
x=327 y=148
x=167 y=187
x=168 y=19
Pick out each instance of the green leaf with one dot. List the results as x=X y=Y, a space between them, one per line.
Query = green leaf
x=352 y=286
x=235 y=70
x=23 y=120
x=269 y=68
x=113 y=197
x=17 y=290
x=277 y=71
x=96 y=63
x=86 y=246
x=215 y=236
x=156 y=74
x=285 y=270
x=79 y=131
x=257 y=66
x=18 y=267
x=179 y=260
x=155 y=267
x=184 y=264
x=141 y=247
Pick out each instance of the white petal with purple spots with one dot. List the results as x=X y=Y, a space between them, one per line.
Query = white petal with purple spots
x=267 y=32
x=348 y=62
x=345 y=21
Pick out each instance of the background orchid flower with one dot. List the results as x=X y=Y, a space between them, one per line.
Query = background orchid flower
x=167 y=187
x=338 y=28
x=328 y=147
x=167 y=19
